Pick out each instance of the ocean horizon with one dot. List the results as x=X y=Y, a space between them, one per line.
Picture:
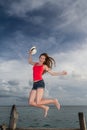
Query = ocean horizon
x=66 y=117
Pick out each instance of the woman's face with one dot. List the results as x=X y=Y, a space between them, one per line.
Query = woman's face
x=42 y=59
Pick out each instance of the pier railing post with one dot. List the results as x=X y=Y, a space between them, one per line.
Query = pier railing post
x=82 y=121
x=3 y=127
x=13 y=118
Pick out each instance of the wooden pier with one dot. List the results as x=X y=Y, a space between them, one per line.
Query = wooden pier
x=14 y=118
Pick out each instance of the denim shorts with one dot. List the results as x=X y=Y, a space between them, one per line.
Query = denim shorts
x=38 y=84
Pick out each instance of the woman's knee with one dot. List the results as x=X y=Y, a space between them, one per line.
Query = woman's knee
x=31 y=102
x=38 y=102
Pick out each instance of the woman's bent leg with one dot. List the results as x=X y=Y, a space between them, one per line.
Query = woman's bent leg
x=41 y=101
x=32 y=102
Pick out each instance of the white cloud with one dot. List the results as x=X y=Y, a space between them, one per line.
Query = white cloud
x=63 y=87
x=13 y=69
x=74 y=62
x=68 y=89
x=14 y=78
x=73 y=17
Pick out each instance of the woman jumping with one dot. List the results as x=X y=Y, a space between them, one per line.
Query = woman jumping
x=44 y=65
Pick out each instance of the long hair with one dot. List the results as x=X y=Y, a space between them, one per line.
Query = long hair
x=49 y=61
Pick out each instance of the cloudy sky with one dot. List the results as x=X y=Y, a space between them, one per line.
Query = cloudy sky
x=57 y=27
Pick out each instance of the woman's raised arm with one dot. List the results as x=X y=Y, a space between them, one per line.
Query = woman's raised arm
x=30 y=61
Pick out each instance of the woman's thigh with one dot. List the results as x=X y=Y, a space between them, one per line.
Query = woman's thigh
x=39 y=94
x=32 y=96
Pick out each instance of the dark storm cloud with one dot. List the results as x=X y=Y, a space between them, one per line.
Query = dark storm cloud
x=36 y=23
x=42 y=22
x=13 y=83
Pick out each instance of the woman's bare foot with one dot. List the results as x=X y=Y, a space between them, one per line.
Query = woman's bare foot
x=46 y=111
x=57 y=104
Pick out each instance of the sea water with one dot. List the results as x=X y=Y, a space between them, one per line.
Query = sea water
x=66 y=117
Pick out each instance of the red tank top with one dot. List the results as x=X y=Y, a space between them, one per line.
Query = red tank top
x=37 y=72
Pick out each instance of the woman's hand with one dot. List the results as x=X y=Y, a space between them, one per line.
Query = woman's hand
x=30 y=61
x=63 y=73
x=29 y=52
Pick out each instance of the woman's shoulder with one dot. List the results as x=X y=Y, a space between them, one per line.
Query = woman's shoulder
x=35 y=63
x=45 y=67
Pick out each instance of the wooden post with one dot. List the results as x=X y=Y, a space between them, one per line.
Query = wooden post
x=13 y=118
x=82 y=121
x=3 y=127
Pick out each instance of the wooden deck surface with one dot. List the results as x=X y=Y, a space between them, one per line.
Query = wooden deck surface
x=45 y=128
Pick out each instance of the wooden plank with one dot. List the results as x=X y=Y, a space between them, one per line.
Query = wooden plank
x=45 y=128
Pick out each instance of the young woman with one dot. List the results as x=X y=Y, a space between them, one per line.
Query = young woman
x=44 y=65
